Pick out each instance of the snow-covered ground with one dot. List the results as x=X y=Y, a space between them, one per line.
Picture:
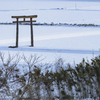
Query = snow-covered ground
x=72 y=43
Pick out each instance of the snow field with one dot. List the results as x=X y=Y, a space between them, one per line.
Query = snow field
x=69 y=43
x=52 y=42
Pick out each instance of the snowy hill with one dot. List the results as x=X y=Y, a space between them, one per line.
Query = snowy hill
x=69 y=42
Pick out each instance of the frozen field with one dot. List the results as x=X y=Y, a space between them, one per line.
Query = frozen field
x=72 y=43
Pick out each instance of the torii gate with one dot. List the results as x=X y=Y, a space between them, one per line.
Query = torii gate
x=24 y=21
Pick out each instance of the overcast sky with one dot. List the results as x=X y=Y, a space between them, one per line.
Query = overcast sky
x=67 y=0
x=52 y=0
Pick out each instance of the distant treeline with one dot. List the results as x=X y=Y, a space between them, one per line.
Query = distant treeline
x=54 y=24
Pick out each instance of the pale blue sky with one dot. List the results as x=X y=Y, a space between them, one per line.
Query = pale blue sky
x=50 y=0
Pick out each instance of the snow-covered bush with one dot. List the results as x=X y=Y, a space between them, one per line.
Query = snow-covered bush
x=29 y=81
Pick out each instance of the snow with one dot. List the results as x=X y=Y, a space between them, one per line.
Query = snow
x=72 y=43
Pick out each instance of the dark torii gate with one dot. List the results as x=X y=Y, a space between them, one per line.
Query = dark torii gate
x=24 y=21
